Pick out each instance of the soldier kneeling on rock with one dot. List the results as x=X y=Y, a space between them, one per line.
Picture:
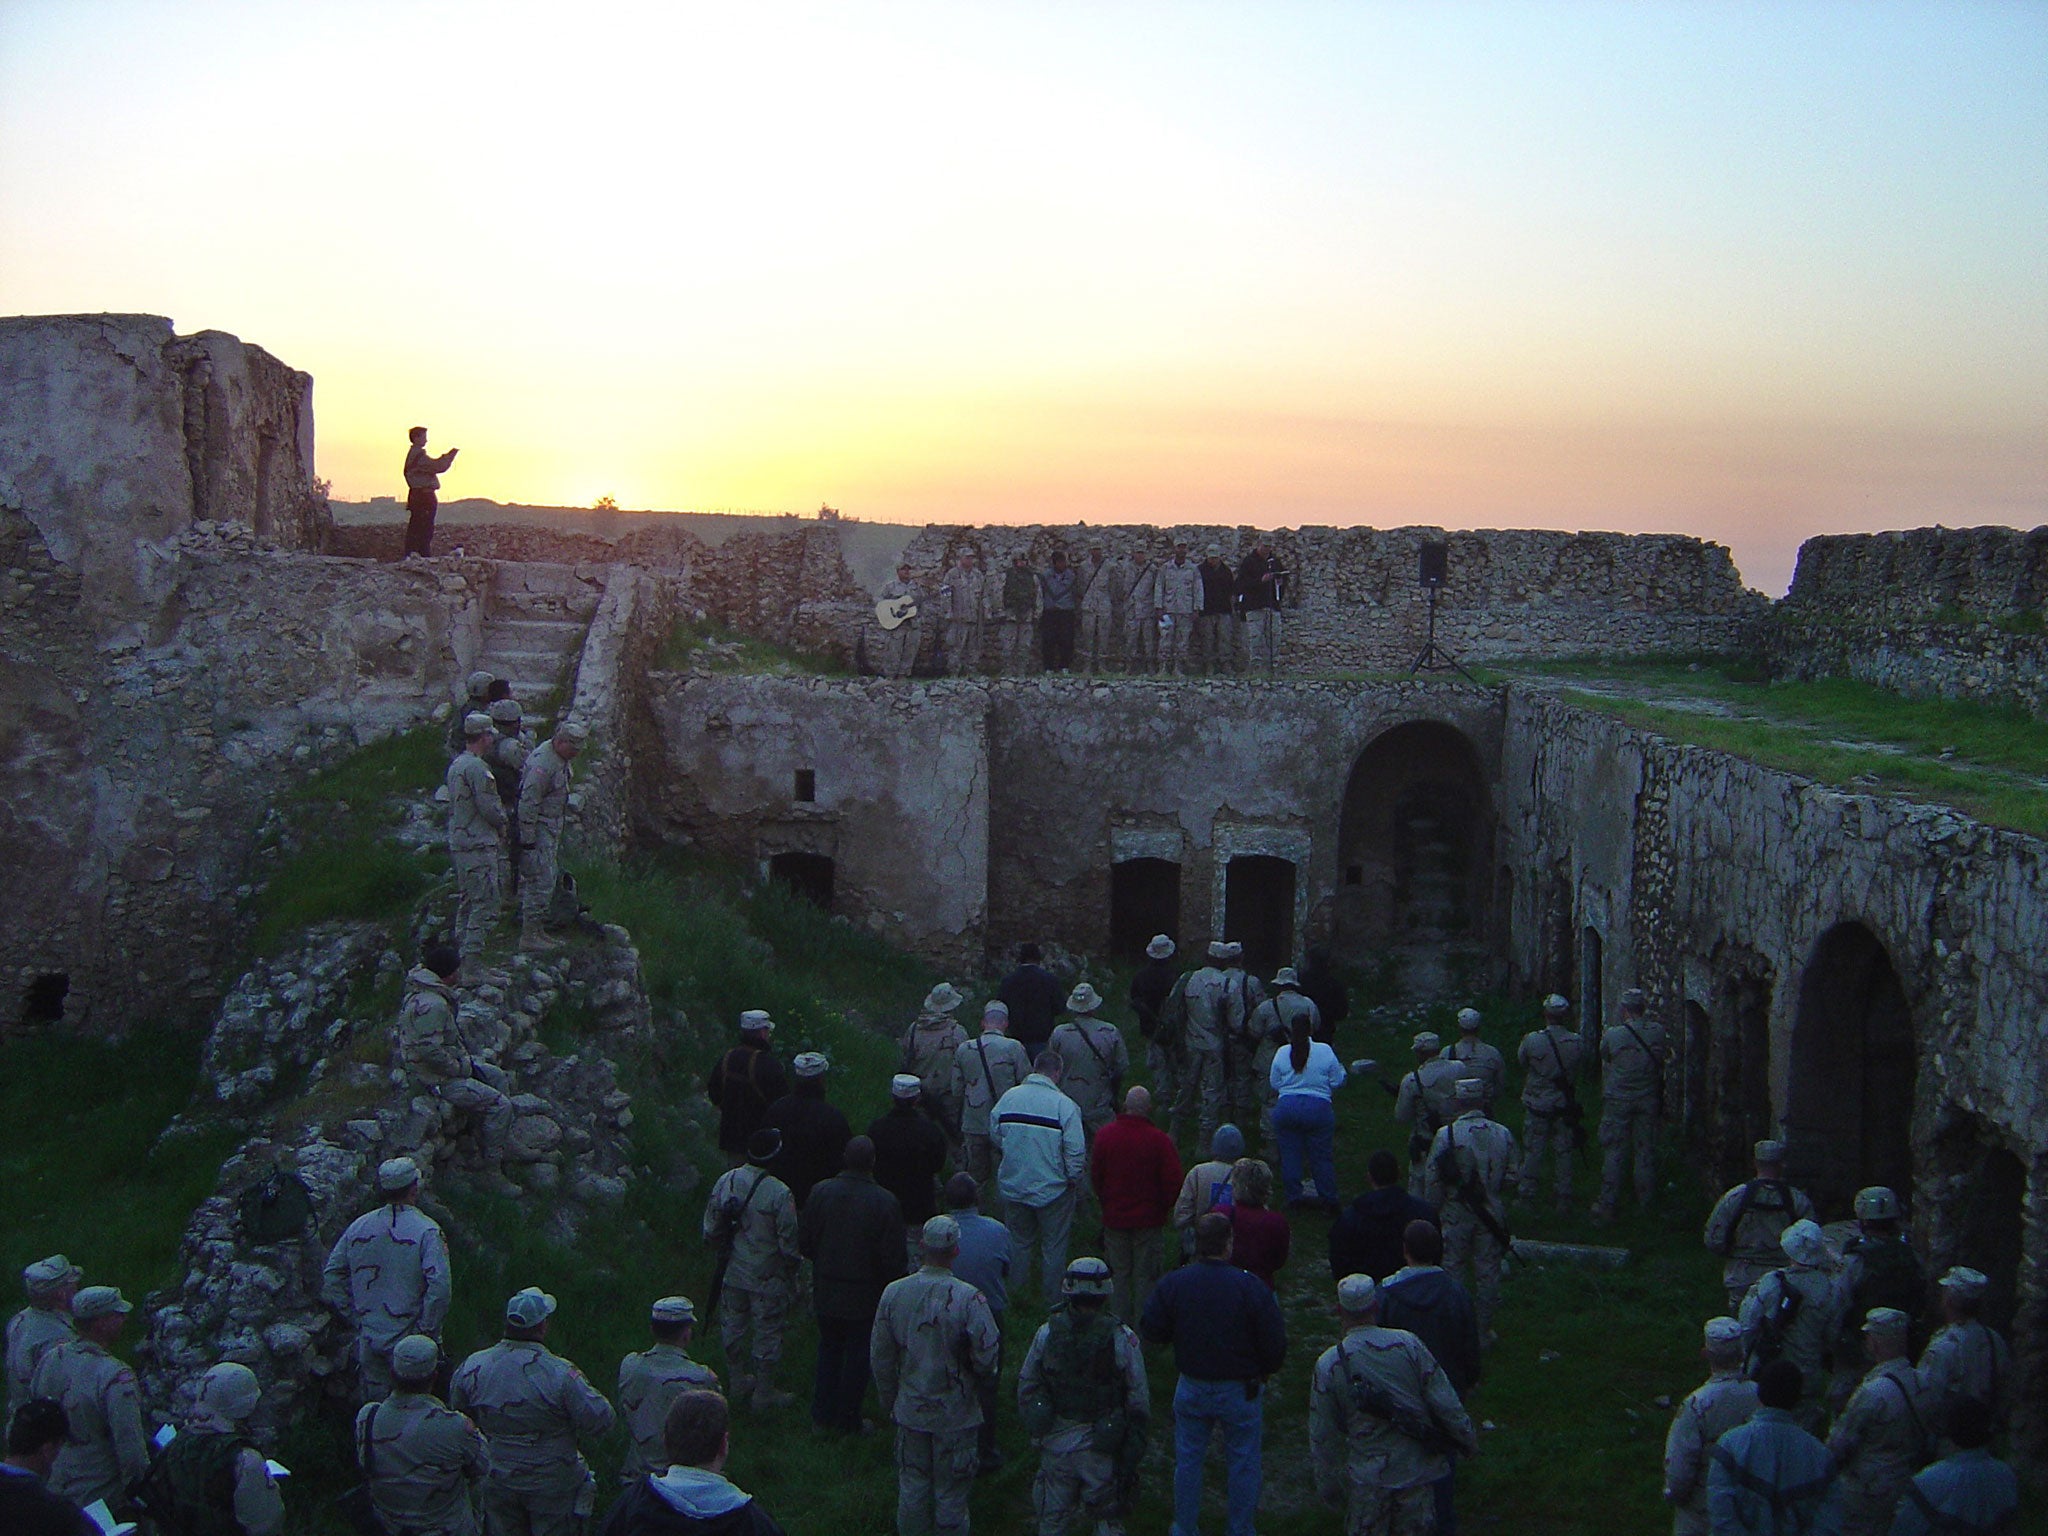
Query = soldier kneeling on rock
x=434 y=1054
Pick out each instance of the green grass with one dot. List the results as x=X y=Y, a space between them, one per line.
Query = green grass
x=719 y=649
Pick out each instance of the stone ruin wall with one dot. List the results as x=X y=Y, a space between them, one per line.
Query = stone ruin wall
x=1928 y=612
x=1713 y=883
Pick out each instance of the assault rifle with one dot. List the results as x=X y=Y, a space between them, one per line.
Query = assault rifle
x=1418 y=1141
x=1375 y=1401
x=724 y=1232
x=1470 y=1191
x=1574 y=1113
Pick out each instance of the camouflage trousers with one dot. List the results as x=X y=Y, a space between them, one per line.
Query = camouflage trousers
x=485 y=1101
x=1164 y=1068
x=1374 y=1511
x=1466 y=1241
x=934 y=1475
x=1551 y=1131
x=1262 y=1090
x=1201 y=1092
x=1074 y=1479
x=898 y=650
x=963 y=646
x=537 y=868
x=529 y=1503
x=477 y=899
x=1174 y=642
x=744 y=1313
x=982 y=1161
x=374 y=1380
x=1627 y=1131
x=1141 y=644
x=1096 y=640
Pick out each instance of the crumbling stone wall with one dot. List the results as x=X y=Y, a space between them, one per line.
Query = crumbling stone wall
x=1701 y=872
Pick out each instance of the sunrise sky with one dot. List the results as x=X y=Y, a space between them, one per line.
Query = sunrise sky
x=1751 y=271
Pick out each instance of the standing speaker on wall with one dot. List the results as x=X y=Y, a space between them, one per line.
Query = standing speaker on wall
x=1433 y=563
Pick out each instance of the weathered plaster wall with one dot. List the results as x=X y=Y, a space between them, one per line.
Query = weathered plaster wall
x=902 y=798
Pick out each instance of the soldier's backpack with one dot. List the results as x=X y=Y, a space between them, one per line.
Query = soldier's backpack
x=1774 y=1327
x=1891 y=1277
x=189 y=1489
x=276 y=1210
x=1170 y=1034
x=1080 y=1381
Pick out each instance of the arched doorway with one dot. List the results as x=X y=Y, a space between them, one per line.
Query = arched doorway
x=1144 y=899
x=1415 y=842
x=808 y=875
x=1849 y=1098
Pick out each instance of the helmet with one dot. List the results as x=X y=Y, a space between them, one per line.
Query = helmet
x=1876 y=1204
x=1086 y=1277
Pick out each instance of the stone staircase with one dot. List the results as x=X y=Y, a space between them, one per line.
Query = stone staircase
x=535 y=619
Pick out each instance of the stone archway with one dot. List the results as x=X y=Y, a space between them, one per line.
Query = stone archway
x=1415 y=842
x=1849 y=1091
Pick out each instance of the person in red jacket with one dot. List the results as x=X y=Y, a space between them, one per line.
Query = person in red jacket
x=1262 y=1237
x=1135 y=1169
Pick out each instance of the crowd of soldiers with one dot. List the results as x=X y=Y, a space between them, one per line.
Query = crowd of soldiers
x=887 y=1239
x=1151 y=611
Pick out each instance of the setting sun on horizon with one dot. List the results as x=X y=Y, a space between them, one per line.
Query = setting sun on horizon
x=1752 y=273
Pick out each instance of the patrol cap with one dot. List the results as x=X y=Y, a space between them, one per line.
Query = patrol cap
x=1232 y=950
x=397 y=1173
x=414 y=1357
x=1967 y=1283
x=1804 y=1243
x=53 y=1273
x=479 y=684
x=106 y=1301
x=1722 y=1334
x=1770 y=1150
x=943 y=998
x=1635 y=997
x=1876 y=1204
x=229 y=1391
x=810 y=1064
x=1086 y=1277
x=1286 y=976
x=673 y=1309
x=529 y=1308
x=764 y=1145
x=1468 y=1019
x=1218 y=950
x=1215 y=549
x=1470 y=1089
x=1888 y=1320
x=1084 y=999
x=1357 y=1293
x=1161 y=947
x=755 y=1021
x=476 y=723
x=940 y=1235
x=1426 y=1041
x=905 y=1085
x=505 y=712
x=1557 y=1002
x=573 y=730
x=995 y=1018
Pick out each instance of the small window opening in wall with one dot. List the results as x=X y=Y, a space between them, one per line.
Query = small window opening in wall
x=807 y=784
x=1354 y=874
x=43 y=1003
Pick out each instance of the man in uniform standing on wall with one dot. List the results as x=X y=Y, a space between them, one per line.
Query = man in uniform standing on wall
x=899 y=645
x=423 y=473
x=1177 y=598
x=1102 y=578
x=962 y=600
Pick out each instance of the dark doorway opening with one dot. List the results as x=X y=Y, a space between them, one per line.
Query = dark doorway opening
x=1417 y=829
x=1849 y=1106
x=1258 y=910
x=1144 y=899
x=1989 y=1221
x=43 y=1003
x=1734 y=1075
x=809 y=875
x=1592 y=1002
x=1696 y=1048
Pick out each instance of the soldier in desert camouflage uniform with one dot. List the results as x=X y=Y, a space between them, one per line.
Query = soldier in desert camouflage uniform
x=1424 y=1104
x=1723 y=1401
x=934 y=1342
x=1550 y=1057
x=433 y=1052
x=388 y=1273
x=1881 y=1439
x=1085 y=1403
x=928 y=1053
x=1632 y=1058
x=1383 y=1422
x=1216 y=1014
x=988 y=1066
x=476 y=840
x=532 y=1406
x=420 y=1457
x=651 y=1379
x=1097 y=1060
x=41 y=1325
x=1746 y=1223
x=543 y=803
x=106 y=1451
x=754 y=1214
x=1473 y=1156
x=1476 y=1058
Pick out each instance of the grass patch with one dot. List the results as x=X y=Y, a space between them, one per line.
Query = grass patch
x=388 y=766
x=356 y=875
x=718 y=649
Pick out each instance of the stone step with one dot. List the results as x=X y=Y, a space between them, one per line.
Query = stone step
x=552 y=635
x=523 y=657
x=577 y=606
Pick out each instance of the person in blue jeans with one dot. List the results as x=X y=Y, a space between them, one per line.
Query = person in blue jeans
x=1304 y=1077
x=1228 y=1336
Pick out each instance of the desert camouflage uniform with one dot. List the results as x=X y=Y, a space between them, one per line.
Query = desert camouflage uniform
x=506 y=759
x=1807 y=1338
x=1723 y=1401
x=531 y=1406
x=760 y=1275
x=1878 y=1443
x=1475 y=1058
x=1141 y=624
x=1097 y=1063
x=32 y=1333
x=1076 y=1475
x=389 y=1272
x=1214 y=1016
x=1270 y=1022
x=1425 y=1104
x=1632 y=1072
x=934 y=1342
x=107 y=1449
x=1244 y=1085
x=476 y=828
x=432 y=1050
x=1550 y=1056
x=963 y=595
x=1381 y=1477
x=1964 y=1360
x=1098 y=613
x=424 y=1457
x=1177 y=594
x=1751 y=1247
x=928 y=1052
x=899 y=645
x=543 y=802
x=988 y=1066
x=1484 y=1149
x=650 y=1380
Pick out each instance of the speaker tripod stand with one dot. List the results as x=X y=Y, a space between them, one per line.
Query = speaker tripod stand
x=1433 y=657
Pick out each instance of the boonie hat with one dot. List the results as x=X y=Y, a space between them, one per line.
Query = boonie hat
x=1557 y=1002
x=755 y=1021
x=673 y=1309
x=1967 y=1283
x=1804 y=1243
x=50 y=1274
x=1084 y=999
x=1355 y=1293
x=1886 y=1320
x=810 y=1064
x=99 y=1301
x=1286 y=977
x=414 y=1357
x=529 y=1308
x=1218 y=950
x=943 y=998
x=1086 y=1277
x=397 y=1173
x=1161 y=947
x=905 y=1085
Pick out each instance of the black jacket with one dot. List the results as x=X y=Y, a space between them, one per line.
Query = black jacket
x=1149 y=990
x=1434 y=1307
x=640 y=1511
x=910 y=1151
x=852 y=1232
x=1366 y=1238
x=1033 y=996
x=1223 y=1322
x=745 y=1082
x=814 y=1138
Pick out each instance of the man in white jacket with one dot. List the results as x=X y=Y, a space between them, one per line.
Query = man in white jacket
x=1043 y=1155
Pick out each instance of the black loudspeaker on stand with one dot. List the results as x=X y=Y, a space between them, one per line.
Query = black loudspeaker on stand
x=1433 y=569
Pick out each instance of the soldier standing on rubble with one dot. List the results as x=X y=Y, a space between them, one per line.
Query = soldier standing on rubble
x=543 y=802
x=432 y=1051
x=476 y=833
x=388 y=1274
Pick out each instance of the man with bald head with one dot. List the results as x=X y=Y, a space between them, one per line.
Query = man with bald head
x=1136 y=1172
